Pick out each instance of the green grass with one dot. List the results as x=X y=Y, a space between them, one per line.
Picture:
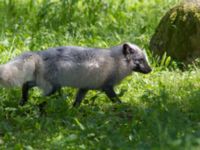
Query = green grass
x=161 y=110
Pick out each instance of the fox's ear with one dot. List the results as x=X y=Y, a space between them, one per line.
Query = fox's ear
x=127 y=49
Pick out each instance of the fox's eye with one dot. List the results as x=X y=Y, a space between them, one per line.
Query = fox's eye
x=141 y=59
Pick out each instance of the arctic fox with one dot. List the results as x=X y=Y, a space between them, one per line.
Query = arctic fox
x=80 y=67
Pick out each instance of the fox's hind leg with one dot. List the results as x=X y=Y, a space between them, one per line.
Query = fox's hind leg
x=109 y=90
x=25 y=88
x=52 y=91
x=79 y=97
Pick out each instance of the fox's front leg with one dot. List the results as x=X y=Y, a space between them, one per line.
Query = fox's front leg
x=109 y=90
x=79 y=97
x=25 y=88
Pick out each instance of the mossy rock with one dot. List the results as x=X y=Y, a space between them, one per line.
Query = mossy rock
x=178 y=33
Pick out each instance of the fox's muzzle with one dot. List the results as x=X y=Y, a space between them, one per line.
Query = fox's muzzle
x=148 y=70
x=145 y=69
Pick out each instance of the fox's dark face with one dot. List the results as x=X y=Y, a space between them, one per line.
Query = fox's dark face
x=136 y=58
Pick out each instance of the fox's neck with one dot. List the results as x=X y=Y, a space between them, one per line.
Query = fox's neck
x=123 y=69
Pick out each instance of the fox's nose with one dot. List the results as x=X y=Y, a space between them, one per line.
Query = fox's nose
x=148 y=70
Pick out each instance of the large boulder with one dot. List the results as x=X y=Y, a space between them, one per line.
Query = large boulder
x=178 y=32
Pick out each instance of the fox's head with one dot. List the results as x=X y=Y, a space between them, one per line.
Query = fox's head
x=136 y=58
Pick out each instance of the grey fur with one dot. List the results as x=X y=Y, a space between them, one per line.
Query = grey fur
x=79 y=67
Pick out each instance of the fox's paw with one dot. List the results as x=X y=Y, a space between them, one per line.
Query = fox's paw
x=116 y=100
x=22 y=102
x=41 y=107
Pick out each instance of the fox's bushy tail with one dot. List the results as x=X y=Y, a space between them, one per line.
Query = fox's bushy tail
x=18 y=71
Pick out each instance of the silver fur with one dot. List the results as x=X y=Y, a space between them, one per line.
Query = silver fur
x=73 y=66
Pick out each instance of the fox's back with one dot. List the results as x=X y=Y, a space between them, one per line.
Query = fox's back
x=77 y=66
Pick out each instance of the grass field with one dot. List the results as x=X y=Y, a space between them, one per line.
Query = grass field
x=160 y=110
